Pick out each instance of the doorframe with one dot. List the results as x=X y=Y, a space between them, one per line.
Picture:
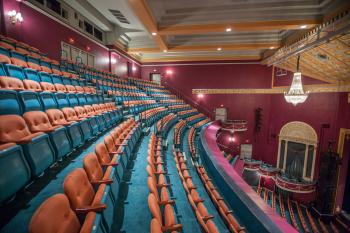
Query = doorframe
x=343 y=133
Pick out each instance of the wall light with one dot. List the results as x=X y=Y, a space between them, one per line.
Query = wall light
x=154 y=70
x=113 y=60
x=169 y=72
x=134 y=68
x=71 y=40
x=165 y=50
x=228 y=29
x=303 y=26
x=231 y=139
x=219 y=49
x=200 y=96
x=154 y=33
x=15 y=17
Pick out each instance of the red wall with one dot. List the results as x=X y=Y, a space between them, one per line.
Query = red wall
x=319 y=109
x=46 y=34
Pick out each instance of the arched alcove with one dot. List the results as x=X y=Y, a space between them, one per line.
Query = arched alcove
x=297 y=150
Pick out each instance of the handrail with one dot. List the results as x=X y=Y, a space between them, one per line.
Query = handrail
x=187 y=98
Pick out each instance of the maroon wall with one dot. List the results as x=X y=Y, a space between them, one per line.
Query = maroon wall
x=46 y=34
x=319 y=109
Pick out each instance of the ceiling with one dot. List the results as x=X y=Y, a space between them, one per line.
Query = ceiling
x=195 y=30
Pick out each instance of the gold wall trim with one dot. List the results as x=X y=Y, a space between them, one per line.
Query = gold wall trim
x=276 y=90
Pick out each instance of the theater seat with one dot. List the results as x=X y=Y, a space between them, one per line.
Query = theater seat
x=48 y=100
x=32 y=85
x=9 y=103
x=83 y=198
x=168 y=216
x=54 y=215
x=71 y=115
x=37 y=146
x=9 y=83
x=14 y=170
x=106 y=159
x=38 y=121
x=57 y=118
x=81 y=113
x=30 y=101
x=100 y=119
x=97 y=175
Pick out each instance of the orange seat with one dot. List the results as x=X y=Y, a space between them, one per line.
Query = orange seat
x=5 y=59
x=56 y=117
x=38 y=121
x=32 y=85
x=10 y=83
x=49 y=87
x=60 y=87
x=55 y=215
x=94 y=170
x=19 y=62
x=104 y=156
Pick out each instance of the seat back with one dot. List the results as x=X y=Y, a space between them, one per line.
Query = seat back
x=102 y=153
x=56 y=117
x=49 y=87
x=154 y=207
x=32 y=85
x=70 y=114
x=48 y=100
x=54 y=215
x=9 y=83
x=14 y=71
x=60 y=87
x=80 y=111
x=12 y=128
x=45 y=77
x=72 y=99
x=78 y=189
x=37 y=121
x=92 y=167
x=9 y=103
x=109 y=142
x=71 y=89
x=156 y=227
x=62 y=100
x=30 y=101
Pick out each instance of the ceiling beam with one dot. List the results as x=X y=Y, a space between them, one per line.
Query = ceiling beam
x=143 y=12
x=239 y=26
x=202 y=58
x=192 y=48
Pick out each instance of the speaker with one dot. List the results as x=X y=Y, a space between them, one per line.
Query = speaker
x=258 y=119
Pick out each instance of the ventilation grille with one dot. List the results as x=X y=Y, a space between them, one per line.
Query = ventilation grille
x=119 y=16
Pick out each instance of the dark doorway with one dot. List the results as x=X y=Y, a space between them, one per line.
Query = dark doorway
x=346 y=199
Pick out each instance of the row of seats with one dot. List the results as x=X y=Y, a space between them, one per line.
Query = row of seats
x=191 y=136
x=36 y=140
x=178 y=108
x=18 y=98
x=178 y=133
x=163 y=125
x=196 y=202
x=219 y=202
x=187 y=113
x=18 y=45
x=150 y=116
x=201 y=123
x=159 y=200
x=90 y=193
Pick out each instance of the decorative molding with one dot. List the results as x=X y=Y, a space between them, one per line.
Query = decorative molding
x=325 y=88
x=298 y=131
x=204 y=64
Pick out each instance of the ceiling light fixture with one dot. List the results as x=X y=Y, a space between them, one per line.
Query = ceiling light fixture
x=272 y=47
x=165 y=50
x=303 y=26
x=200 y=96
x=228 y=29
x=219 y=49
x=154 y=33
x=296 y=94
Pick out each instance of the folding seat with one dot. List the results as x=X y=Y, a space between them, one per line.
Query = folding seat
x=48 y=100
x=38 y=121
x=18 y=60
x=49 y=87
x=81 y=99
x=45 y=66
x=32 y=75
x=9 y=83
x=71 y=115
x=98 y=176
x=60 y=87
x=30 y=101
x=66 y=80
x=32 y=85
x=14 y=170
x=45 y=77
x=89 y=99
x=56 y=78
x=57 y=118
x=55 y=215
x=61 y=99
x=163 y=197
x=95 y=99
x=107 y=159
x=169 y=223
x=71 y=89
x=33 y=64
x=159 y=178
x=14 y=71
x=79 y=89
x=81 y=113
x=37 y=146
x=100 y=119
x=9 y=102
x=72 y=99
x=81 y=195
x=112 y=150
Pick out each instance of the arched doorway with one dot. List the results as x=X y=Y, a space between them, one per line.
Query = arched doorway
x=297 y=150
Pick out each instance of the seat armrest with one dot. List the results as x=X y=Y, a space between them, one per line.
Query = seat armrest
x=109 y=164
x=176 y=227
x=163 y=185
x=96 y=208
x=107 y=181
x=29 y=138
x=206 y=218
x=171 y=202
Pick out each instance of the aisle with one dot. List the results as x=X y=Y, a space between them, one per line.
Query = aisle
x=200 y=187
x=183 y=207
x=132 y=212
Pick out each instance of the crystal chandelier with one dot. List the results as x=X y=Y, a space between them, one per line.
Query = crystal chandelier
x=296 y=94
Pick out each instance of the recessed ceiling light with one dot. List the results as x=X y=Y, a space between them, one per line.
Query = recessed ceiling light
x=272 y=47
x=228 y=29
x=165 y=50
x=154 y=33
x=303 y=26
x=219 y=49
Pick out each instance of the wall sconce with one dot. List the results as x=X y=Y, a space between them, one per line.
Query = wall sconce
x=134 y=68
x=15 y=16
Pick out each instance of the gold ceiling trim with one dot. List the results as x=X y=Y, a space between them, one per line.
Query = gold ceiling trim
x=275 y=90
